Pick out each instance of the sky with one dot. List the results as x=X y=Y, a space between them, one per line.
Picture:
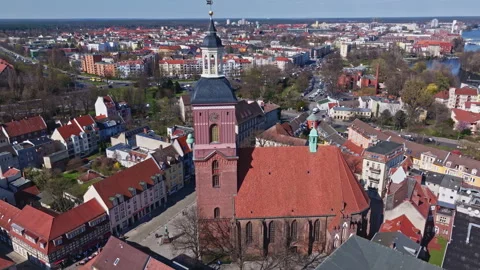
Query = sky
x=165 y=9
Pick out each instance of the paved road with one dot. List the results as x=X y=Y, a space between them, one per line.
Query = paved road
x=176 y=205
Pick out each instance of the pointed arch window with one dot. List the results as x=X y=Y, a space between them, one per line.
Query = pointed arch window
x=214 y=134
x=216 y=212
x=249 y=233
x=316 y=230
x=213 y=64
x=293 y=231
x=215 y=167
x=271 y=232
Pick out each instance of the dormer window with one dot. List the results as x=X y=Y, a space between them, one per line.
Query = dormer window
x=132 y=191
x=57 y=242
x=143 y=185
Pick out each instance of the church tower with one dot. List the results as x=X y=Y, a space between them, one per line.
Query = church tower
x=215 y=150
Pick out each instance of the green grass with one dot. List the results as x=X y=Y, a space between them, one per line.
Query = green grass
x=79 y=190
x=92 y=157
x=436 y=256
x=71 y=175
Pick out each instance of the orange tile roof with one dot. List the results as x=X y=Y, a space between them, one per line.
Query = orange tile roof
x=353 y=147
x=298 y=183
x=465 y=91
x=183 y=143
x=404 y=225
x=83 y=121
x=130 y=177
x=25 y=126
x=68 y=130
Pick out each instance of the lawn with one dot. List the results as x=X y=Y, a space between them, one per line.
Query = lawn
x=94 y=156
x=436 y=256
x=79 y=190
x=71 y=175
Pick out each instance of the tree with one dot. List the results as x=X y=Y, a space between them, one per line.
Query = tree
x=385 y=118
x=419 y=67
x=432 y=89
x=462 y=126
x=187 y=228
x=400 y=119
x=331 y=71
x=415 y=97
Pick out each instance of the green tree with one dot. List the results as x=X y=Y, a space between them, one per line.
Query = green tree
x=400 y=119
x=385 y=118
x=415 y=97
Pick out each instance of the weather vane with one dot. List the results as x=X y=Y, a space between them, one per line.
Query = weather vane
x=210 y=3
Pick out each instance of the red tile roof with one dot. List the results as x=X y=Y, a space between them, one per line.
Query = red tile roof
x=298 y=183
x=11 y=172
x=25 y=126
x=131 y=177
x=442 y=95
x=465 y=91
x=68 y=130
x=283 y=134
x=469 y=104
x=5 y=263
x=153 y=264
x=268 y=107
x=7 y=213
x=353 y=147
x=4 y=65
x=47 y=226
x=466 y=116
x=84 y=121
x=183 y=143
x=404 y=225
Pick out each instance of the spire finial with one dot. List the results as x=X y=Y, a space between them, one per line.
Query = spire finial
x=210 y=3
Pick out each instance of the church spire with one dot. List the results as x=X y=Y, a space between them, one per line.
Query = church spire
x=212 y=50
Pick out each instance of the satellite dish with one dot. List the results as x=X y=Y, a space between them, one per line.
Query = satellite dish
x=477 y=212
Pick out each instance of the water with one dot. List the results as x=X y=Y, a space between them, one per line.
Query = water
x=475 y=35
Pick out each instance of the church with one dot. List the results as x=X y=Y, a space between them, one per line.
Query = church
x=303 y=197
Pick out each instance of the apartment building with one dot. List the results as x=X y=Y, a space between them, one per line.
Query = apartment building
x=457 y=97
x=88 y=62
x=80 y=136
x=377 y=162
x=130 y=68
x=24 y=129
x=47 y=239
x=106 y=106
x=169 y=161
x=130 y=195
x=104 y=69
x=183 y=68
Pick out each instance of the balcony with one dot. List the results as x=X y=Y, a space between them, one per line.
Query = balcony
x=374 y=170
x=373 y=180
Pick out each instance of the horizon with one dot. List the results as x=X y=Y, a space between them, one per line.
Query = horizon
x=279 y=9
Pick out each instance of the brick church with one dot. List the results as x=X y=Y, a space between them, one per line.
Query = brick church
x=304 y=197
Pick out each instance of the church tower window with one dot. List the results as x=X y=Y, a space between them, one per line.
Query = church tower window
x=216 y=212
x=215 y=181
x=214 y=134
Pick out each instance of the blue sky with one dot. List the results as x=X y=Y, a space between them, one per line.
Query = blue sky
x=163 y=9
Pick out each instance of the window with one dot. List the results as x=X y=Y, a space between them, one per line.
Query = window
x=216 y=181
x=316 y=230
x=57 y=241
x=249 y=235
x=215 y=167
x=443 y=219
x=271 y=232
x=293 y=231
x=214 y=134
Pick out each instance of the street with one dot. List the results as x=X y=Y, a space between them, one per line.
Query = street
x=144 y=234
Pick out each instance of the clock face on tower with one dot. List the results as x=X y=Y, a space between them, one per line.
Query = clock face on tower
x=214 y=117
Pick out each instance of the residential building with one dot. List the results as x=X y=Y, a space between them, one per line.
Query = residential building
x=26 y=154
x=7 y=213
x=130 y=194
x=359 y=253
x=465 y=120
x=106 y=70
x=17 y=190
x=8 y=158
x=128 y=137
x=80 y=136
x=149 y=141
x=347 y=114
x=168 y=159
x=108 y=107
x=232 y=182
x=185 y=109
x=413 y=200
x=344 y=50
x=182 y=68
x=400 y=242
x=184 y=147
x=272 y=113
x=249 y=120
x=109 y=127
x=377 y=105
x=88 y=62
x=61 y=236
x=5 y=69
x=130 y=68
x=448 y=191
x=279 y=135
x=44 y=146
x=377 y=162
x=443 y=222
x=403 y=225
x=459 y=96
x=24 y=129
x=117 y=254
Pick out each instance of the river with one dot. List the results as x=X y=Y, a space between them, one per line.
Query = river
x=475 y=36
